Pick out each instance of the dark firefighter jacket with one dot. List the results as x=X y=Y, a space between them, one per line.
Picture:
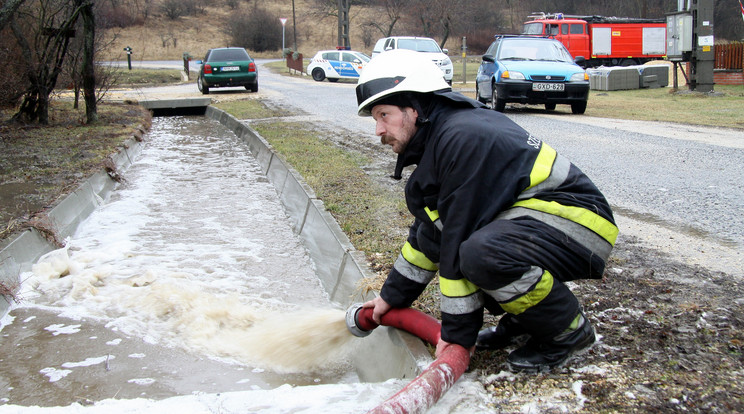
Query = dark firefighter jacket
x=472 y=164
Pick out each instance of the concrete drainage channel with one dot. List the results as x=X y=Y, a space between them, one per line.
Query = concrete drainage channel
x=386 y=353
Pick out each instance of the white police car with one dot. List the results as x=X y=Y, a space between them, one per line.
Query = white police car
x=337 y=64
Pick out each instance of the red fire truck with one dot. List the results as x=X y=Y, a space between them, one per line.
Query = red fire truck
x=608 y=41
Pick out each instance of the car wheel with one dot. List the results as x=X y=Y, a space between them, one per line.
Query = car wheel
x=318 y=75
x=550 y=106
x=497 y=103
x=578 y=107
x=203 y=88
x=252 y=87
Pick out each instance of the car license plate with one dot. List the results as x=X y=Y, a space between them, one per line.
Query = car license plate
x=548 y=87
x=231 y=68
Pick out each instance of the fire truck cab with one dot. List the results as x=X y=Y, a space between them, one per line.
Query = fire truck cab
x=608 y=41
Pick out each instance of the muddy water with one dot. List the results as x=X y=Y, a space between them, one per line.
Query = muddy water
x=186 y=280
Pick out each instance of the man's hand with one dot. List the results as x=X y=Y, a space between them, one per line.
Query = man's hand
x=380 y=308
x=442 y=345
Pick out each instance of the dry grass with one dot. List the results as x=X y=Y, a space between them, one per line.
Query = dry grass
x=197 y=34
x=38 y=164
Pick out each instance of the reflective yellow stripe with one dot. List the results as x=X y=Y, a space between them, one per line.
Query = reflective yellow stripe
x=532 y=298
x=543 y=165
x=456 y=288
x=417 y=258
x=586 y=218
x=433 y=215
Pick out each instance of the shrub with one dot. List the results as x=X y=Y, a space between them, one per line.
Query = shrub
x=172 y=9
x=258 y=30
x=108 y=16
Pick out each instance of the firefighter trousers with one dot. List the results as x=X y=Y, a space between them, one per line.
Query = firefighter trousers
x=522 y=265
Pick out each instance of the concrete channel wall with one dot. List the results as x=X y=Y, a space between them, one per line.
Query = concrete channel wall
x=386 y=353
x=18 y=254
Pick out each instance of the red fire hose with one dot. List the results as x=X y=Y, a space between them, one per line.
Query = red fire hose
x=426 y=389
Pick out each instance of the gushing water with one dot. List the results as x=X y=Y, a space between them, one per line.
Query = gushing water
x=192 y=258
x=299 y=341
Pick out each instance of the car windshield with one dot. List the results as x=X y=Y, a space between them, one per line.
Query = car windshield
x=533 y=50
x=419 y=45
x=221 y=55
x=532 y=28
x=362 y=56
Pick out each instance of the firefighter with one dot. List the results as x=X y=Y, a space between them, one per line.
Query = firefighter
x=502 y=218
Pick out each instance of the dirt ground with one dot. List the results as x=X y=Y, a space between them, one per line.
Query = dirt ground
x=670 y=334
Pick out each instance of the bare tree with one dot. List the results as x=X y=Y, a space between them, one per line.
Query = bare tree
x=331 y=8
x=444 y=18
x=8 y=10
x=391 y=12
x=43 y=29
x=727 y=21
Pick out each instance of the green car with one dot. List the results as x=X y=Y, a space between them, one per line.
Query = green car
x=227 y=66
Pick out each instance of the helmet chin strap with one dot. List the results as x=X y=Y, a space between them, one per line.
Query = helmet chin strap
x=423 y=116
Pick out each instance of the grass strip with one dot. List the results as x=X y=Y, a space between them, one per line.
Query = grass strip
x=360 y=206
x=251 y=108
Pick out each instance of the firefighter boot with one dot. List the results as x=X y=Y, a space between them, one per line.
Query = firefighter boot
x=541 y=355
x=505 y=333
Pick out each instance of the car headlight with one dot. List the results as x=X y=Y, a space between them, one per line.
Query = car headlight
x=446 y=62
x=579 y=77
x=512 y=75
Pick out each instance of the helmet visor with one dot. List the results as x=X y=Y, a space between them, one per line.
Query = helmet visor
x=373 y=87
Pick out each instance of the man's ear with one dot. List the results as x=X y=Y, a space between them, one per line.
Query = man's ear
x=413 y=113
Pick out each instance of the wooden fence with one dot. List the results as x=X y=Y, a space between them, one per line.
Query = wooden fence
x=729 y=56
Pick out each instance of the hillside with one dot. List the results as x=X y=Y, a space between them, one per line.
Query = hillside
x=160 y=38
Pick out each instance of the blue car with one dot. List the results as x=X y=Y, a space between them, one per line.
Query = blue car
x=531 y=70
x=337 y=64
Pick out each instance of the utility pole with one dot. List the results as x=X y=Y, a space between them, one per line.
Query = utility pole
x=294 y=27
x=703 y=53
x=690 y=39
x=343 y=24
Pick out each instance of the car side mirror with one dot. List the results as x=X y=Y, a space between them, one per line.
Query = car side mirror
x=488 y=58
x=581 y=61
x=445 y=51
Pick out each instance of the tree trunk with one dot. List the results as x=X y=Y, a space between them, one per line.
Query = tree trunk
x=76 y=92
x=89 y=73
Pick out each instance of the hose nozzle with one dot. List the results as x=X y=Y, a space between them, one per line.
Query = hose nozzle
x=352 y=321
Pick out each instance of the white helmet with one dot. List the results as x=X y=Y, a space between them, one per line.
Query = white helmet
x=397 y=71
